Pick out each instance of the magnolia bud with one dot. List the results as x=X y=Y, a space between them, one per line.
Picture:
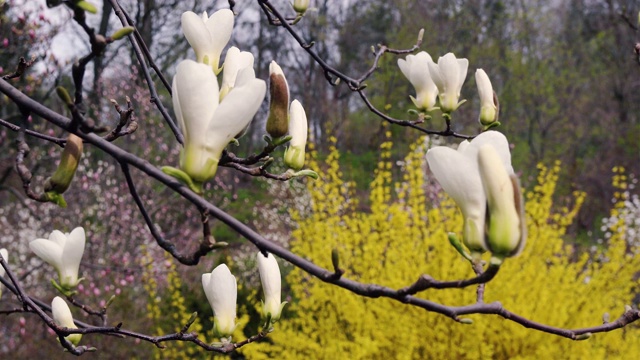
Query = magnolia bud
x=87 y=6
x=488 y=99
x=300 y=6
x=59 y=182
x=505 y=228
x=278 y=120
x=122 y=32
x=294 y=155
x=62 y=316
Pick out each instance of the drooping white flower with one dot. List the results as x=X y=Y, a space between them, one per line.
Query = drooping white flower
x=458 y=173
x=271 y=286
x=488 y=108
x=208 y=35
x=278 y=120
x=207 y=125
x=416 y=69
x=294 y=154
x=222 y=292
x=62 y=316
x=63 y=252
x=506 y=233
x=5 y=255
x=234 y=62
x=449 y=75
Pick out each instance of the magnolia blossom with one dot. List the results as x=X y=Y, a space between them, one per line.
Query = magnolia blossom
x=62 y=316
x=458 y=173
x=5 y=255
x=222 y=292
x=278 y=120
x=506 y=228
x=63 y=252
x=271 y=286
x=416 y=69
x=488 y=108
x=294 y=154
x=449 y=75
x=207 y=124
x=208 y=35
x=234 y=62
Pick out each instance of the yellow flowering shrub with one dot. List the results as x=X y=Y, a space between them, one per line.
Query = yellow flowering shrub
x=403 y=236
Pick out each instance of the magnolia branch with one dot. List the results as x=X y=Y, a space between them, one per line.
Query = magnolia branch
x=155 y=98
x=40 y=308
x=363 y=289
x=334 y=76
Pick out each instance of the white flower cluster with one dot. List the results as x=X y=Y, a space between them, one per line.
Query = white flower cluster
x=221 y=290
x=627 y=220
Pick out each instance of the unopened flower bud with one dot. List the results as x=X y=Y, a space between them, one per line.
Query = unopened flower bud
x=488 y=106
x=505 y=231
x=294 y=155
x=122 y=32
x=278 y=120
x=60 y=180
x=62 y=316
x=300 y=6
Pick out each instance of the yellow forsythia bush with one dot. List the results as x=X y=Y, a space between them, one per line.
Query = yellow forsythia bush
x=404 y=236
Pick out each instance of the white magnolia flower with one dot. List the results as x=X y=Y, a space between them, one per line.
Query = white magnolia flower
x=506 y=231
x=208 y=35
x=208 y=126
x=63 y=252
x=278 y=120
x=488 y=108
x=271 y=286
x=5 y=255
x=62 y=316
x=416 y=69
x=234 y=62
x=222 y=292
x=458 y=173
x=294 y=154
x=449 y=75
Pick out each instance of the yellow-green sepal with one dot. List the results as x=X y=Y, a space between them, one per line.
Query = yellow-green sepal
x=184 y=178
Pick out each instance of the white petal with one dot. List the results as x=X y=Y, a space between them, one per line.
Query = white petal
x=498 y=141
x=233 y=63
x=48 y=251
x=274 y=68
x=61 y=313
x=485 y=90
x=234 y=113
x=5 y=255
x=434 y=71
x=271 y=284
x=405 y=67
x=72 y=255
x=297 y=124
x=58 y=237
x=245 y=76
x=176 y=107
x=504 y=229
x=450 y=72
x=221 y=290
x=196 y=90
x=463 y=65
x=198 y=36
x=269 y=275
x=459 y=177
x=220 y=26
